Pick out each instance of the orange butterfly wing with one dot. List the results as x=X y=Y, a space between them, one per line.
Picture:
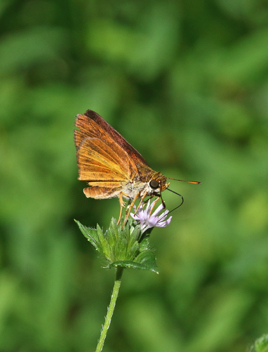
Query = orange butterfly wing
x=92 y=124
x=101 y=160
x=105 y=159
x=98 y=161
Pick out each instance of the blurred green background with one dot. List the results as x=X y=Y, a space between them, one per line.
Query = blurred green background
x=186 y=83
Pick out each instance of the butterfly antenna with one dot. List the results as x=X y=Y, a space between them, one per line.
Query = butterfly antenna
x=182 y=199
x=194 y=182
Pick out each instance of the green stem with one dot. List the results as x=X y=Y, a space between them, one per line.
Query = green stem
x=110 y=311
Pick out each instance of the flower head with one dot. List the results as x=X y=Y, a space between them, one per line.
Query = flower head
x=148 y=220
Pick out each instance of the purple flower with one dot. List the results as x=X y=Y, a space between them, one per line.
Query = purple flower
x=148 y=221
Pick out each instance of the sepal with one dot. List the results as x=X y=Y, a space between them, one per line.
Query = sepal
x=122 y=246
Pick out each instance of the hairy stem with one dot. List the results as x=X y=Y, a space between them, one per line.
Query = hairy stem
x=111 y=307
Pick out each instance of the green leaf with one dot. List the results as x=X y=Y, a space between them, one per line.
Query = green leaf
x=90 y=234
x=145 y=244
x=120 y=246
x=134 y=265
x=148 y=260
x=105 y=246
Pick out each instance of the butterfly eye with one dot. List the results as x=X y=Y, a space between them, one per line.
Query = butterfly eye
x=154 y=184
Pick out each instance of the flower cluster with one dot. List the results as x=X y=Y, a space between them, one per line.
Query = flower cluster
x=148 y=220
x=128 y=246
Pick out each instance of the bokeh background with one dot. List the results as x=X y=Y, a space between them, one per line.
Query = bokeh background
x=186 y=83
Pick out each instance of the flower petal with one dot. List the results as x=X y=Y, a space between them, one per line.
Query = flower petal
x=148 y=221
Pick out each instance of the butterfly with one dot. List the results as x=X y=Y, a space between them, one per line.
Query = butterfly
x=111 y=166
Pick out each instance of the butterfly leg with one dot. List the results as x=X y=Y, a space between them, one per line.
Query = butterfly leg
x=153 y=205
x=141 y=201
x=122 y=204
x=130 y=207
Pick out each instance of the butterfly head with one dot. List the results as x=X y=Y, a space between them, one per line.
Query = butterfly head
x=158 y=183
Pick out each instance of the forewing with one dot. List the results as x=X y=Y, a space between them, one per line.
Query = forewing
x=93 y=125
x=88 y=128
x=98 y=161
